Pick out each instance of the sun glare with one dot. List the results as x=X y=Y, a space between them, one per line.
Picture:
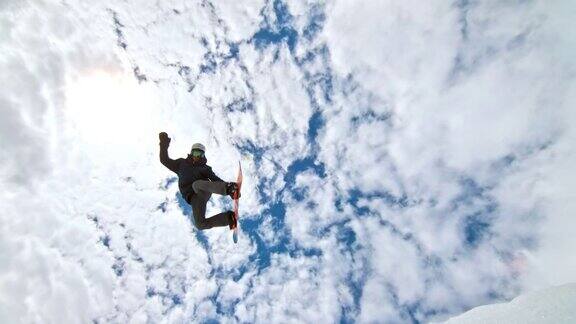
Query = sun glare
x=108 y=106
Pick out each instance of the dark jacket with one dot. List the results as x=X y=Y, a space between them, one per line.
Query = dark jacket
x=187 y=171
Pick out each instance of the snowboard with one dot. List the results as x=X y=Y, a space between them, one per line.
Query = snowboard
x=236 y=202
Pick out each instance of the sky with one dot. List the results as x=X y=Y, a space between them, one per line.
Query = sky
x=404 y=161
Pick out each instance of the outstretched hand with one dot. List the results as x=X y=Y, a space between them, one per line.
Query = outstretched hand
x=164 y=139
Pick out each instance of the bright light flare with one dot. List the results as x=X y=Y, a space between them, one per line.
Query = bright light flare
x=109 y=107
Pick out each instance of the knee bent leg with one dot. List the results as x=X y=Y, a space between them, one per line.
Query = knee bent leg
x=196 y=186
x=202 y=225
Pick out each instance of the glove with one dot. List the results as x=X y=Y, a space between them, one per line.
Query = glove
x=164 y=139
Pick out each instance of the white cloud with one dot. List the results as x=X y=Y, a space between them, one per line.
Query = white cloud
x=291 y=290
x=434 y=113
x=241 y=18
x=464 y=90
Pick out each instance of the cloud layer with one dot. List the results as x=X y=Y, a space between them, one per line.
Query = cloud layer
x=404 y=162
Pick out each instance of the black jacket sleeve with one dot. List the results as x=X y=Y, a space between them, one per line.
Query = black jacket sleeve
x=210 y=175
x=166 y=160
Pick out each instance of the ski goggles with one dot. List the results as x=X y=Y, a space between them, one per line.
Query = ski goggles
x=197 y=153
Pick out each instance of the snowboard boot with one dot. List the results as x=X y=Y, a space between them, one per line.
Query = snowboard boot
x=232 y=189
x=232 y=221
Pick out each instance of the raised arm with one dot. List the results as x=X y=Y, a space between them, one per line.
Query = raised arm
x=164 y=158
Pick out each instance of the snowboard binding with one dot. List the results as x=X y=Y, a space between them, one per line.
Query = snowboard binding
x=232 y=220
x=232 y=190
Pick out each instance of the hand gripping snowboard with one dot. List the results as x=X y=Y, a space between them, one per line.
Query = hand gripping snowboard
x=236 y=200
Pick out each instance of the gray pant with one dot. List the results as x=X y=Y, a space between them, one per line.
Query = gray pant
x=203 y=190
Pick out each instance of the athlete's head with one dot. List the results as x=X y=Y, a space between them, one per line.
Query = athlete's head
x=198 y=151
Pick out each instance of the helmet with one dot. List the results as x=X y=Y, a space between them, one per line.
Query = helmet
x=198 y=146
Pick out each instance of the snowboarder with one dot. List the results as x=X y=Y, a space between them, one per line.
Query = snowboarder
x=197 y=182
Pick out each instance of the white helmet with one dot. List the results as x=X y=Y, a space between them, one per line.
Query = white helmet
x=198 y=146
